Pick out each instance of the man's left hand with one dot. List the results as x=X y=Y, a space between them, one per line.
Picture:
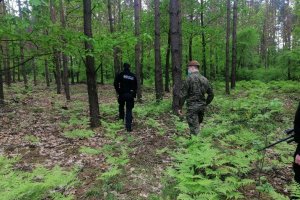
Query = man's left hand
x=297 y=159
x=180 y=112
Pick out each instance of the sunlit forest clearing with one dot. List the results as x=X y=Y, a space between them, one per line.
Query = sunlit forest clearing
x=60 y=133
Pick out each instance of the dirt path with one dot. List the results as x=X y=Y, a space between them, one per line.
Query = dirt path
x=33 y=126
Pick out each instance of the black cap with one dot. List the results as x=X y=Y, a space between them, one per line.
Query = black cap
x=126 y=66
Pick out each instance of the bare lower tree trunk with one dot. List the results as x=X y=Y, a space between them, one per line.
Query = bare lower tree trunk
x=159 y=88
x=212 y=64
x=14 y=70
x=14 y=64
x=64 y=56
x=1 y=87
x=227 y=48
x=34 y=73
x=90 y=66
x=176 y=50
x=56 y=56
x=142 y=62
x=72 y=71
x=167 y=76
x=204 y=67
x=102 y=73
x=47 y=73
x=117 y=51
x=288 y=30
x=22 y=52
x=1 y=76
x=1 y=70
x=234 y=57
x=138 y=48
x=191 y=48
x=66 y=77
x=6 y=63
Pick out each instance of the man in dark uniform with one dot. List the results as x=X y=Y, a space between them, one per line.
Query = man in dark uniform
x=126 y=85
x=193 y=91
x=296 y=165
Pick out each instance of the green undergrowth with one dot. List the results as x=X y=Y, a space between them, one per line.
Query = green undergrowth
x=40 y=183
x=219 y=162
x=79 y=133
x=116 y=153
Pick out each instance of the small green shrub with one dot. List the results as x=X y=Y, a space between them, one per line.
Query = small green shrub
x=32 y=139
x=89 y=150
x=37 y=184
x=79 y=133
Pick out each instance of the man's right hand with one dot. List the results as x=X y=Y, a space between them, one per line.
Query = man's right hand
x=297 y=159
x=180 y=112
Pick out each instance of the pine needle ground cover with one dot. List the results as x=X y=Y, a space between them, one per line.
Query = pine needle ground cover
x=158 y=160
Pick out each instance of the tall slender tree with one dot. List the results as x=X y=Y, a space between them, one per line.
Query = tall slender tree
x=158 y=71
x=167 y=76
x=64 y=56
x=56 y=57
x=227 y=48
x=47 y=73
x=176 y=50
x=90 y=66
x=1 y=77
x=137 y=10
x=117 y=63
x=234 y=50
x=204 y=67
x=22 y=60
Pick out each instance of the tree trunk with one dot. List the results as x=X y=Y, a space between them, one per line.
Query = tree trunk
x=138 y=48
x=117 y=64
x=7 y=64
x=101 y=73
x=234 y=52
x=90 y=66
x=288 y=30
x=47 y=73
x=66 y=77
x=191 y=48
x=64 y=56
x=212 y=64
x=1 y=70
x=227 y=49
x=203 y=41
x=72 y=71
x=6 y=60
x=34 y=73
x=264 y=39
x=56 y=57
x=176 y=50
x=23 y=71
x=167 y=76
x=191 y=40
x=1 y=76
x=142 y=62
x=14 y=68
x=159 y=88
x=1 y=87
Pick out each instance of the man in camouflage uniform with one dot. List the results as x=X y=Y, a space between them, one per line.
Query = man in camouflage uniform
x=193 y=91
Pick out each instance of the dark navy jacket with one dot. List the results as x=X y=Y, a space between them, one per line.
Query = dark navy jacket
x=126 y=83
x=297 y=129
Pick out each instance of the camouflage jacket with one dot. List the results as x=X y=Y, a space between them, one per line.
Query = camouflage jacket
x=194 y=90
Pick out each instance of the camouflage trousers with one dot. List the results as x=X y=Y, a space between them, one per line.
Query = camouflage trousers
x=194 y=117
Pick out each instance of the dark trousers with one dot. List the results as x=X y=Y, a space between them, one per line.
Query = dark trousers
x=129 y=101
x=194 y=118
x=296 y=167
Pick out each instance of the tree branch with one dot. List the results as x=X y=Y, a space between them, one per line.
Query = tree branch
x=25 y=61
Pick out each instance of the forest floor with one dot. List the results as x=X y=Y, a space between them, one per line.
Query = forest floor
x=42 y=129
